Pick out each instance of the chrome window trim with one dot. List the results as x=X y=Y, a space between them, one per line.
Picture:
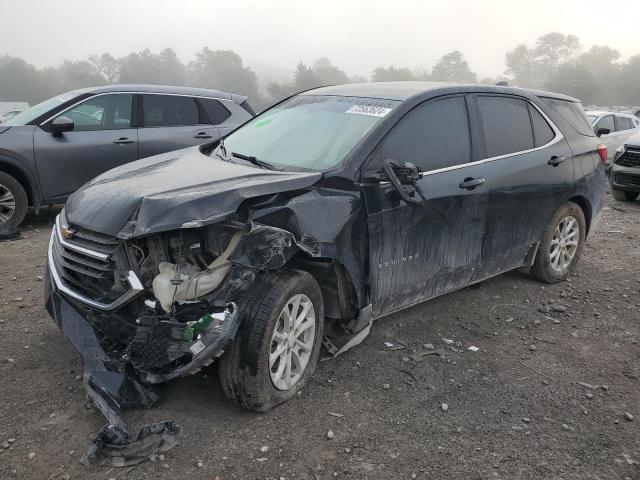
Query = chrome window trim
x=134 y=282
x=77 y=248
x=132 y=93
x=557 y=138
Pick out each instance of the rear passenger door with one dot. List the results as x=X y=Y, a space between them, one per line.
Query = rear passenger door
x=528 y=171
x=419 y=251
x=172 y=122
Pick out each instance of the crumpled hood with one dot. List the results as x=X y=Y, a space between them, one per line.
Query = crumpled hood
x=173 y=190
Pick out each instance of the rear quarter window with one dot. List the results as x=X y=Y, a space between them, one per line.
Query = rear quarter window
x=507 y=125
x=572 y=113
x=542 y=131
x=214 y=109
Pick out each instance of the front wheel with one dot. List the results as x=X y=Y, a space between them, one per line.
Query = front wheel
x=277 y=346
x=561 y=245
x=622 y=196
x=13 y=203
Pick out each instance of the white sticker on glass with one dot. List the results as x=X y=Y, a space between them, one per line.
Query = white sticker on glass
x=370 y=110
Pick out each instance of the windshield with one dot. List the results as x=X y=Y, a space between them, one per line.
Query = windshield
x=30 y=114
x=308 y=132
x=591 y=118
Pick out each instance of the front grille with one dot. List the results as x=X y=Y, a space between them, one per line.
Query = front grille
x=630 y=158
x=92 y=265
x=627 y=179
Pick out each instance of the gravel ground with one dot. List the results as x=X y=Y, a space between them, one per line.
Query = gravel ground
x=552 y=393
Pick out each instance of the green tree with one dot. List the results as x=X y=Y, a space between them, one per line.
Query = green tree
x=453 y=68
x=555 y=49
x=601 y=62
x=278 y=91
x=327 y=74
x=573 y=79
x=223 y=70
x=521 y=66
x=304 y=78
x=533 y=67
x=164 y=68
x=106 y=65
x=627 y=84
x=391 y=73
x=21 y=81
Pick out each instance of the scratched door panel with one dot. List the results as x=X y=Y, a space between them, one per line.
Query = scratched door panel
x=419 y=252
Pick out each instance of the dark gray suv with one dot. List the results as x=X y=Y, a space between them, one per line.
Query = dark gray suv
x=51 y=149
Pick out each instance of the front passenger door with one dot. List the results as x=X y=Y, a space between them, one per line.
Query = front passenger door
x=104 y=136
x=419 y=251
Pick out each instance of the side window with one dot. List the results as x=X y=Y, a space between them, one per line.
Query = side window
x=103 y=112
x=606 y=122
x=169 y=111
x=214 y=109
x=506 y=123
x=542 y=131
x=623 y=123
x=433 y=135
x=572 y=113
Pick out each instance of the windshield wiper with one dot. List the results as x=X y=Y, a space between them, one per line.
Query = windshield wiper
x=255 y=161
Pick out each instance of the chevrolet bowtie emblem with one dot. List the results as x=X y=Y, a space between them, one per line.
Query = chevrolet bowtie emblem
x=66 y=232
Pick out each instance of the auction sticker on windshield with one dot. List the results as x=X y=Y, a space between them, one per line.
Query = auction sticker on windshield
x=371 y=110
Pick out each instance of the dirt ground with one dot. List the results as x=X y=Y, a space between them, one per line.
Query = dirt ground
x=514 y=409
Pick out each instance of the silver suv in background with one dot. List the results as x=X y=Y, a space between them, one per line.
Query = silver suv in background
x=613 y=128
x=625 y=171
x=50 y=150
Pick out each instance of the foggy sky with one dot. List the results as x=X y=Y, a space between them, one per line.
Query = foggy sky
x=356 y=35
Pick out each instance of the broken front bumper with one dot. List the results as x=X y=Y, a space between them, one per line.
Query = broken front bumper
x=114 y=384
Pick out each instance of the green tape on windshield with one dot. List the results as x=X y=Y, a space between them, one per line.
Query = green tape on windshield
x=263 y=122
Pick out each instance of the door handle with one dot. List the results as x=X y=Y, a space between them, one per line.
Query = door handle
x=123 y=141
x=471 y=183
x=202 y=135
x=555 y=161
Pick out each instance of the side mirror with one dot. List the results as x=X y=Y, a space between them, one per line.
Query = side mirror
x=603 y=131
x=61 y=125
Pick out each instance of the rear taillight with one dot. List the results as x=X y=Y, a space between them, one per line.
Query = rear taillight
x=602 y=151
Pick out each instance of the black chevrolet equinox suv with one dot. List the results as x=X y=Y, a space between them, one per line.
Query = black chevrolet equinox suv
x=333 y=208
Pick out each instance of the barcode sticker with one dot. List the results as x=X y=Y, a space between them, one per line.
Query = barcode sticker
x=370 y=110
x=197 y=347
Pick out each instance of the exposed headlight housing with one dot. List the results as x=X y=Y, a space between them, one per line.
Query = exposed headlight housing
x=619 y=152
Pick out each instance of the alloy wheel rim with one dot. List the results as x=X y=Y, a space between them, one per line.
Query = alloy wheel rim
x=291 y=342
x=564 y=244
x=7 y=204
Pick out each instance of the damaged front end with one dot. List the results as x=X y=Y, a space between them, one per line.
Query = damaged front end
x=146 y=310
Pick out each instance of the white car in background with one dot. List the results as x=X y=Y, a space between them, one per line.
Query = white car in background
x=613 y=128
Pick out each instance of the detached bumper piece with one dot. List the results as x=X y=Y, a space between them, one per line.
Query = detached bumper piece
x=115 y=384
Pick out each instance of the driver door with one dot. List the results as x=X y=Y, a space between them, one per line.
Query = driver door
x=419 y=251
x=104 y=136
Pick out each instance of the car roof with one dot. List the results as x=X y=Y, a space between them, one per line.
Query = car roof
x=166 y=89
x=405 y=90
x=608 y=112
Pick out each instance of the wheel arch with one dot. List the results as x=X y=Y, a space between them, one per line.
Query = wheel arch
x=586 y=208
x=338 y=289
x=23 y=177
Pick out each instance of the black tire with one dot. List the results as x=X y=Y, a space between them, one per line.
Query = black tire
x=16 y=216
x=542 y=268
x=622 y=196
x=244 y=369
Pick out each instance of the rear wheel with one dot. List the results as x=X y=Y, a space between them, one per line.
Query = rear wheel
x=561 y=245
x=622 y=196
x=13 y=203
x=277 y=346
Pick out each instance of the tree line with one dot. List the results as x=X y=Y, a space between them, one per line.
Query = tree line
x=555 y=62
